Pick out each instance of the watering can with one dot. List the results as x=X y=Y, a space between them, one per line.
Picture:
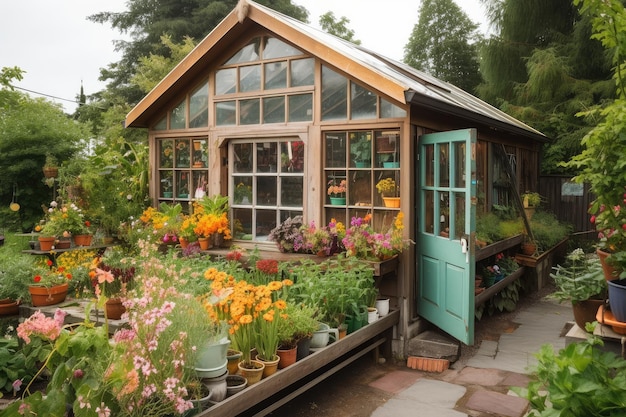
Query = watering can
x=322 y=336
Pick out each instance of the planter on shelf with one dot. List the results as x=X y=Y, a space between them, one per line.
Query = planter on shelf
x=372 y=315
x=46 y=296
x=585 y=311
x=321 y=337
x=9 y=307
x=233 y=357
x=234 y=384
x=204 y=243
x=62 y=244
x=304 y=348
x=362 y=164
x=392 y=202
x=82 y=240
x=617 y=299
x=253 y=373
x=212 y=354
x=114 y=308
x=271 y=365
x=382 y=305
x=46 y=242
x=338 y=201
x=287 y=356
x=391 y=164
x=610 y=273
x=217 y=386
x=528 y=248
x=167 y=194
x=183 y=242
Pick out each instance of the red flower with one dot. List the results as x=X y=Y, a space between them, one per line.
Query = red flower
x=49 y=262
x=269 y=266
x=37 y=278
x=87 y=223
x=68 y=276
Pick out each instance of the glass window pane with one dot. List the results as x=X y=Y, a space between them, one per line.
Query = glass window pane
x=177 y=118
x=292 y=156
x=226 y=81
x=361 y=149
x=291 y=191
x=166 y=153
x=161 y=124
x=388 y=149
x=444 y=214
x=243 y=190
x=334 y=95
x=363 y=103
x=199 y=184
x=302 y=72
x=226 y=113
x=199 y=153
x=459 y=165
x=459 y=217
x=275 y=48
x=444 y=165
x=266 y=156
x=242 y=157
x=429 y=165
x=242 y=223
x=182 y=184
x=388 y=110
x=182 y=153
x=166 y=184
x=266 y=191
x=301 y=108
x=249 y=112
x=199 y=107
x=429 y=209
x=248 y=53
x=275 y=75
x=250 y=78
x=274 y=109
x=360 y=188
x=335 y=150
x=265 y=222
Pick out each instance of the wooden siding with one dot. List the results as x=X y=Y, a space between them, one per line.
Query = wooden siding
x=567 y=207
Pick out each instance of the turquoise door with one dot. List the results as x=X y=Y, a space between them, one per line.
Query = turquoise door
x=446 y=231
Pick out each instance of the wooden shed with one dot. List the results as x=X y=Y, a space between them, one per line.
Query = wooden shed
x=269 y=111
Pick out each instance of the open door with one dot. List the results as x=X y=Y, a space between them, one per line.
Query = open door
x=446 y=231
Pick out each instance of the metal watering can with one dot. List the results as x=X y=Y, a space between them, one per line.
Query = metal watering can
x=321 y=337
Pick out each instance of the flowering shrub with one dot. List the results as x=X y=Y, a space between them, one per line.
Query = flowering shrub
x=112 y=276
x=610 y=222
x=362 y=241
x=387 y=187
x=162 y=225
x=325 y=240
x=51 y=275
x=288 y=236
x=63 y=220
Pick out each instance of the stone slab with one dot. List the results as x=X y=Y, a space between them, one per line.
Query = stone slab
x=433 y=344
x=498 y=404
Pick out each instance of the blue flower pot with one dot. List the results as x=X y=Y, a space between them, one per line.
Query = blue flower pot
x=617 y=299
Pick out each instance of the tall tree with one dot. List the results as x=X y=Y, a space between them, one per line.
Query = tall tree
x=444 y=44
x=329 y=23
x=542 y=67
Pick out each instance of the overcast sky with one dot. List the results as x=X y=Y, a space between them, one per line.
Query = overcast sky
x=57 y=46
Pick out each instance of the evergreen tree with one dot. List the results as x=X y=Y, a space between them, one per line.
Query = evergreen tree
x=444 y=44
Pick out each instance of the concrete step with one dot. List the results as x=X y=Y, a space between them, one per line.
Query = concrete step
x=434 y=344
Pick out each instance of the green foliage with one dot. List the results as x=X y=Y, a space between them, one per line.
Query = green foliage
x=16 y=274
x=579 y=381
x=580 y=279
x=329 y=23
x=547 y=230
x=444 y=44
x=504 y=300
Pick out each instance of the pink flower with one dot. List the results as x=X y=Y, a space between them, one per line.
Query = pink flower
x=104 y=276
x=17 y=385
x=39 y=325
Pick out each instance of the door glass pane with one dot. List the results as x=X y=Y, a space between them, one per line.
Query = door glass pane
x=178 y=115
x=301 y=108
x=459 y=165
x=334 y=95
x=428 y=222
x=363 y=103
x=249 y=112
x=250 y=78
x=444 y=165
x=275 y=75
x=266 y=157
x=459 y=216
x=226 y=113
x=429 y=164
x=335 y=150
x=444 y=214
x=274 y=109
x=199 y=107
x=226 y=81
x=242 y=153
x=292 y=156
x=266 y=192
x=291 y=191
x=182 y=153
x=302 y=72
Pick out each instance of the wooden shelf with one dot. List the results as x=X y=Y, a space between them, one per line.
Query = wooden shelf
x=498 y=247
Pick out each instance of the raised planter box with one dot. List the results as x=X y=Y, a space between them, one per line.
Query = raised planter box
x=271 y=393
x=540 y=267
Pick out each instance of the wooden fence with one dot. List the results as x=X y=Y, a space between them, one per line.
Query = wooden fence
x=569 y=201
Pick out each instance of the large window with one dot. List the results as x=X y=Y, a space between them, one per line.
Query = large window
x=366 y=163
x=183 y=169
x=266 y=185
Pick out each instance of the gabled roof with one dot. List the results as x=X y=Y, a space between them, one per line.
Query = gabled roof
x=395 y=79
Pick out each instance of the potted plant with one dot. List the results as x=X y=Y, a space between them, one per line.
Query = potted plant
x=243 y=194
x=361 y=150
x=112 y=277
x=388 y=189
x=337 y=192
x=530 y=201
x=51 y=166
x=16 y=274
x=288 y=236
x=49 y=285
x=295 y=331
x=580 y=281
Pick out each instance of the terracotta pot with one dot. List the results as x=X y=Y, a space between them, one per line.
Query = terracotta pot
x=585 y=311
x=50 y=172
x=271 y=366
x=234 y=357
x=43 y=296
x=528 y=249
x=610 y=273
x=204 y=242
x=46 y=242
x=82 y=240
x=114 y=308
x=253 y=373
x=183 y=242
x=9 y=307
x=62 y=244
x=287 y=357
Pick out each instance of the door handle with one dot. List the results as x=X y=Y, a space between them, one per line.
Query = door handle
x=465 y=249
